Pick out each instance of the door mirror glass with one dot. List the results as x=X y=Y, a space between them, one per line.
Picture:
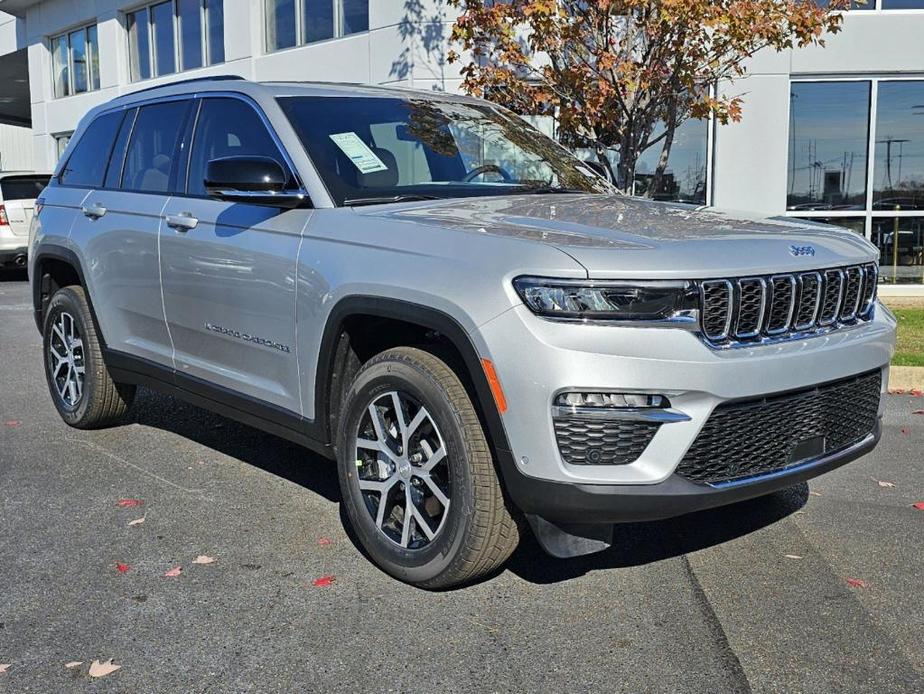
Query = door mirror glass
x=251 y=179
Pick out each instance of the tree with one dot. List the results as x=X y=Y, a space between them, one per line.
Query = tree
x=624 y=74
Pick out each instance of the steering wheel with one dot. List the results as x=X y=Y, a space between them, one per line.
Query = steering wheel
x=485 y=168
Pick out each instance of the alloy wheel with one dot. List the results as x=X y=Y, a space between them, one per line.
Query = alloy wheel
x=67 y=360
x=403 y=470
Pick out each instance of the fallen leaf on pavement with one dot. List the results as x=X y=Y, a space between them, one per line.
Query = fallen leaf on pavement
x=129 y=503
x=792 y=556
x=919 y=506
x=122 y=568
x=203 y=559
x=137 y=521
x=323 y=581
x=4 y=667
x=917 y=392
x=324 y=541
x=98 y=669
x=896 y=391
x=904 y=431
x=917 y=412
x=883 y=483
x=12 y=423
x=74 y=663
x=857 y=583
x=175 y=571
x=814 y=493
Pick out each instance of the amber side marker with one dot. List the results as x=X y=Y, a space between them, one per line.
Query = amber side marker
x=493 y=381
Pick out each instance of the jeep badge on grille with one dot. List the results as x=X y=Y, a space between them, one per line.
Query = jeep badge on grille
x=802 y=250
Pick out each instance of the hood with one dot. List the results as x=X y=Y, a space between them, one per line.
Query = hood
x=617 y=236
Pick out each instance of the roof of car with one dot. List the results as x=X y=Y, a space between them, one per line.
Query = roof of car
x=279 y=88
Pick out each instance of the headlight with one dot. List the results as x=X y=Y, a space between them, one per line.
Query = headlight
x=609 y=300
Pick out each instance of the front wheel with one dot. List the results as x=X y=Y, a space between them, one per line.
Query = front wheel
x=417 y=476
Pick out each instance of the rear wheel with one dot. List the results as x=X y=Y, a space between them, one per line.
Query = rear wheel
x=84 y=393
x=417 y=476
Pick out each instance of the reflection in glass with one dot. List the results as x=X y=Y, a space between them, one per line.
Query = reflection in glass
x=59 y=66
x=215 y=17
x=319 y=20
x=901 y=248
x=78 y=41
x=164 y=47
x=854 y=5
x=685 y=177
x=354 y=16
x=189 y=18
x=280 y=24
x=898 y=172
x=854 y=224
x=903 y=4
x=828 y=130
x=93 y=56
x=139 y=45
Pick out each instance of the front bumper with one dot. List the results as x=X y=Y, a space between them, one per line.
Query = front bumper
x=586 y=504
x=536 y=359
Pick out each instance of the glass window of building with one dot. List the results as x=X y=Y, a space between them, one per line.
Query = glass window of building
x=75 y=61
x=61 y=142
x=295 y=22
x=174 y=36
x=902 y=4
x=898 y=169
x=684 y=178
x=828 y=140
x=826 y=126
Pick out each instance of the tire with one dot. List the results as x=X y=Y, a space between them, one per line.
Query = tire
x=98 y=401
x=475 y=532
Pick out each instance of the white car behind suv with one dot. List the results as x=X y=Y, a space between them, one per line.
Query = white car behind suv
x=18 y=191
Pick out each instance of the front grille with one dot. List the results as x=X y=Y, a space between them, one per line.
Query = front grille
x=749 y=310
x=585 y=441
x=753 y=437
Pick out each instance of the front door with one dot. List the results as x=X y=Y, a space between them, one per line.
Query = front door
x=229 y=269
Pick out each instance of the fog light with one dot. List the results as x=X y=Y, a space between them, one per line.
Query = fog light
x=611 y=400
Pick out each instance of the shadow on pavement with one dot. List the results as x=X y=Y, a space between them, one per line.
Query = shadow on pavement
x=265 y=451
x=13 y=275
x=637 y=544
x=634 y=544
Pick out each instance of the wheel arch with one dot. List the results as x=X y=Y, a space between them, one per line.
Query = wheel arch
x=331 y=355
x=55 y=267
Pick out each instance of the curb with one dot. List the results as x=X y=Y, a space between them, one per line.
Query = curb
x=906 y=378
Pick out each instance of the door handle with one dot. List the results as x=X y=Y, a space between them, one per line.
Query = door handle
x=94 y=210
x=181 y=222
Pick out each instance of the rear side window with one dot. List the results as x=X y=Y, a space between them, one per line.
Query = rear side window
x=117 y=159
x=22 y=187
x=87 y=163
x=153 y=147
x=227 y=128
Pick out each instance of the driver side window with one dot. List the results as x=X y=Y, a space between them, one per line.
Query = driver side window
x=227 y=128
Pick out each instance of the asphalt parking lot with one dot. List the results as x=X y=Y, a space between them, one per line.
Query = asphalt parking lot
x=703 y=603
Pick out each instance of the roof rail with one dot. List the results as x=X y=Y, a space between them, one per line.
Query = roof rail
x=213 y=78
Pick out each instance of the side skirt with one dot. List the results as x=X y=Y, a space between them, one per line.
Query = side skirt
x=126 y=368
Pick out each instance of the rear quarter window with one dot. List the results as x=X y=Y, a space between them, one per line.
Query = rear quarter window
x=22 y=187
x=87 y=164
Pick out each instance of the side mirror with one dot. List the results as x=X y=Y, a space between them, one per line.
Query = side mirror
x=251 y=180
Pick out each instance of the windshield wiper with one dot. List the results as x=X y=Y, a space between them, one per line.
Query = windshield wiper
x=543 y=190
x=384 y=200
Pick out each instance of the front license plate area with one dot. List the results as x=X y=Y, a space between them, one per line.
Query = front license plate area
x=807 y=448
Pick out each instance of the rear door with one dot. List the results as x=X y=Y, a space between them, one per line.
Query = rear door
x=17 y=195
x=229 y=269
x=119 y=228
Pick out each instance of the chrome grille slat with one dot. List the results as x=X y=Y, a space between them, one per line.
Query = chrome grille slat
x=753 y=310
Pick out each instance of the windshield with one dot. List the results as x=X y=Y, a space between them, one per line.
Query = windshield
x=371 y=150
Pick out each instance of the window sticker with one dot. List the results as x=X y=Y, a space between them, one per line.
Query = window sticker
x=358 y=152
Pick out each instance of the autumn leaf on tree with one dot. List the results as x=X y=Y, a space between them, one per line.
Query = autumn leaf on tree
x=624 y=74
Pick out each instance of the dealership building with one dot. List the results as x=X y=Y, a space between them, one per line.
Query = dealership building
x=833 y=134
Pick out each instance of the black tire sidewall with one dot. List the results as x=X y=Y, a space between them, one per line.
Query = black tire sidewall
x=67 y=301
x=412 y=566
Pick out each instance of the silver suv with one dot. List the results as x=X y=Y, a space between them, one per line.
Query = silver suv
x=459 y=312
